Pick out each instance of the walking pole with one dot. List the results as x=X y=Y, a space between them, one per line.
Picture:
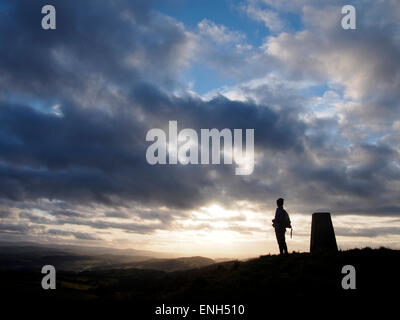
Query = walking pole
x=291 y=230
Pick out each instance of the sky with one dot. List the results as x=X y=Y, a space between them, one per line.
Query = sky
x=76 y=104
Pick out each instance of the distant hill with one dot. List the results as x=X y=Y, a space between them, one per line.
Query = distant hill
x=31 y=257
x=38 y=248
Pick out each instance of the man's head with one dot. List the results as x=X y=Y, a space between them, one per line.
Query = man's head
x=279 y=202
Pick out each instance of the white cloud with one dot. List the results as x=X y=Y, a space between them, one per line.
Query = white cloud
x=219 y=33
x=270 y=18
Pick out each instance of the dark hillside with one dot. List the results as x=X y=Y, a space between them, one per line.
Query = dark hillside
x=300 y=279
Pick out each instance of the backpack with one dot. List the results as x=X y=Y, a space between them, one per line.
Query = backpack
x=287 y=222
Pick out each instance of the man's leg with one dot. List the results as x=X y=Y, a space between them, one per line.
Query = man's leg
x=284 y=246
x=280 y=237
x=280 y=248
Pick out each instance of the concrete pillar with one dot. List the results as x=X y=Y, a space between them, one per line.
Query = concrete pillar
x=322 y=233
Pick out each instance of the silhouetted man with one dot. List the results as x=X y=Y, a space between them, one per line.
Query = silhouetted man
x=280 y=223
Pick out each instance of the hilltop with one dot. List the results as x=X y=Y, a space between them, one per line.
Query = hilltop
x=261 y=282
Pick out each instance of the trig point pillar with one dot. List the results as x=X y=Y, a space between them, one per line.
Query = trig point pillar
x=322 y=233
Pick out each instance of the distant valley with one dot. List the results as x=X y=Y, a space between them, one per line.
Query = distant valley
x=69 y=258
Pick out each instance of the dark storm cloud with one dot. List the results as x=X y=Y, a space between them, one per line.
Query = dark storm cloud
x=65 y=213
x=367 y=232
x=5 y=213
x=35 y=218
x=274 y=130
x=93 y=39
x=92 y=147
x=145 y=214
x=88 y=155
x=116 y=214
x=13 y=228
x=76 y=235
x=40 y=221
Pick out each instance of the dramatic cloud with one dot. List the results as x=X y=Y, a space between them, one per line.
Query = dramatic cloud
x=49 y=156
x=76 y=104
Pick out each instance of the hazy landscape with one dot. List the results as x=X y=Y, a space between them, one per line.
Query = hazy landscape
x=73 y=258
